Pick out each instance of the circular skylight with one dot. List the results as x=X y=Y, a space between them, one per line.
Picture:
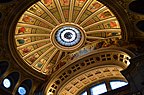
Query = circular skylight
x=68 y=36
x=6 y=83
x=21 y=90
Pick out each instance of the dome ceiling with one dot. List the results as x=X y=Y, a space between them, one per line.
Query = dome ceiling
x=51 y=30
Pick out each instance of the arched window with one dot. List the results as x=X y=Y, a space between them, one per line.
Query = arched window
x=84 y=93
x=22 y=90
x=3 y=67
x=7 y=83
x=0 y=15
x=137 y=6
x=95 y=90
x=117 y=84
x=10 y=81
x=140 y=25
x=98 y=89
x=102 y=87
x=24 y=87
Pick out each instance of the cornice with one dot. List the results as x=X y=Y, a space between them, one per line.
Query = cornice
x=69 y=71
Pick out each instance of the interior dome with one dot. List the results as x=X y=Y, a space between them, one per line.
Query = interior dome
x=48 y=31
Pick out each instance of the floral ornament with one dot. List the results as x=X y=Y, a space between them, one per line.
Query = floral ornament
x=80 y=2
x=105 y=15
x=35 y=9
x=48 y=2
x=21 y=41
x=33 y=57
x=22 y=30
x=27 y=19
x=65 y=2
x=95 y=5
x=26 y=50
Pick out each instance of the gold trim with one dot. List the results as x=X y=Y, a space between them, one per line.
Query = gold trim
x=100 y=22
x=50 y=58
x=94 y=14
x=40 y=19
x=60 y=10
x=32 y=43
x=43 y=55
x=31 y=35
x=33 y=26
x=104 y=30
x=83 y=10
x=94 y=38
x=71 y=10
x=48 y=12
x=36 y=50
x=59 y=56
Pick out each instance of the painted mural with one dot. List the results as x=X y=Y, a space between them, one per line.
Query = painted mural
x=116 y=42
x=33 y=31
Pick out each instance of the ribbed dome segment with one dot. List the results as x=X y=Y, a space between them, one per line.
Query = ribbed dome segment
x=50 y=30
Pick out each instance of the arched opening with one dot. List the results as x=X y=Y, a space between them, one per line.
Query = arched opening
x=103 y=87
x=117 y=84
x=98 y=89
x=140 y=25
x=0 y=15
x=24 y=88
x=10 y=81
x=3 y=67
x=137 y=6
x=5 y=1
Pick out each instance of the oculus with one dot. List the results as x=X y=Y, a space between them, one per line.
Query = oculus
x=21 y=90
x=6 y=83
x=68 y=36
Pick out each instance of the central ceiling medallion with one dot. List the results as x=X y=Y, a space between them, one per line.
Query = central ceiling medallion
x=68 y=36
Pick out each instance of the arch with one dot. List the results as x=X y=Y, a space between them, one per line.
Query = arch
x=98 y=89
x=103 y=87
x=140 y=25
x=3 y=67
x=13 y=78
x=0 y=15
x=137 y=6
x=25 y=87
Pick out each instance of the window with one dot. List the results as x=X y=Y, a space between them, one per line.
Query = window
x=68 y=36
x=117 y=84
x=21 y=90
x=84 y=93
x=3 y=67
x=99 y=89
x=6 y=83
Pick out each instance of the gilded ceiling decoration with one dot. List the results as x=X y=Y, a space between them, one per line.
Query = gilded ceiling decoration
x=50 y=30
